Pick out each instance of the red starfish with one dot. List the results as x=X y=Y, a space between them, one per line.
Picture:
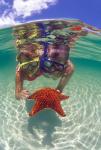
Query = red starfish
x=47 y=98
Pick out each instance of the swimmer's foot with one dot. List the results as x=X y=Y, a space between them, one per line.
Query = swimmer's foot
x=24 y=94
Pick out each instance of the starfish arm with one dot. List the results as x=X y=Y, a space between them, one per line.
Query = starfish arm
x=63 y=97
x=33 y=96
x=36 y=108
x=58 y=108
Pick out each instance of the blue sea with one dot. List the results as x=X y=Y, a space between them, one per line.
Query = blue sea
x=80 y=129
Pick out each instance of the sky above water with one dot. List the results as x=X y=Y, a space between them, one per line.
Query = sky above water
x=19 y=11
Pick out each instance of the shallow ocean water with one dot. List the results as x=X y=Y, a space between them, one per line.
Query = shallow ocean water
x=79 y=130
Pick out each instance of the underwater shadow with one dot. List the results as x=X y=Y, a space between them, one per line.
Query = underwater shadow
x=45 y=122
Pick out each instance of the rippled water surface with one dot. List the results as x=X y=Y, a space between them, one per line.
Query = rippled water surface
x=79 y=130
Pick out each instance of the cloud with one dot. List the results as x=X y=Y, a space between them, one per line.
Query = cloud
x=20 y=9
x=7 y=20
x=25 y=8
x=6 y=17
x=2 y=2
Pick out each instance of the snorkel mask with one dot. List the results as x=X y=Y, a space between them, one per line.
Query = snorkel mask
x=47 y=65
x=50 y=66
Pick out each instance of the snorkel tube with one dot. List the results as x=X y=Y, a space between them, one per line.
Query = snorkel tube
x=43 y=57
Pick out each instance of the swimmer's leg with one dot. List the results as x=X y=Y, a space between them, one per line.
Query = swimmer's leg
x=66 y=76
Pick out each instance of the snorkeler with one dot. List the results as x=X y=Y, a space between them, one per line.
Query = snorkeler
x=56 y=65
x=44 y=49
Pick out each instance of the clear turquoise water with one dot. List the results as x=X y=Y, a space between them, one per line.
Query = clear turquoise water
x=79 y=130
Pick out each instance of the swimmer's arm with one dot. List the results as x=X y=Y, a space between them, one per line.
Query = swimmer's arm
x=66 y=76
x=19 y=91
x=19 y=83
x=62 y=83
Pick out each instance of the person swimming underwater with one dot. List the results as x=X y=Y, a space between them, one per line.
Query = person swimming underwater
x=50 y=58
x=55 y=65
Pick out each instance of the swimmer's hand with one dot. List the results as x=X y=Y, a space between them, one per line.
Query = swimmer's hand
x=24 y=94
x=60 y=91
